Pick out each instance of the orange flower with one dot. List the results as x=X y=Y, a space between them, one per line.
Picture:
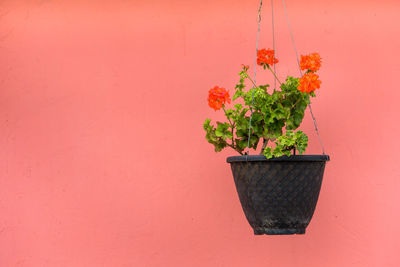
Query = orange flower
x=309 y=83
x=266 y=56
x=310 y=62
x=217 y=97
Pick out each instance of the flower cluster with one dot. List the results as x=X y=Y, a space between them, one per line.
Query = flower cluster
x=217 y=97
x=266 y=57
x=310 y=62
x=310 y=81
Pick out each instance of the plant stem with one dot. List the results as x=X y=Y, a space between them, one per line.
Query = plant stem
x=276 y=77
x=294 y=105
x=251 y=80
x=265 y=142
x=232 y=127
x=296 y=102
x=234 y=148
x=223 y=108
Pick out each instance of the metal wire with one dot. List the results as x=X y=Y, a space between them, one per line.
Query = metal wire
x=254 y=77
x=255 y=66
x=291 y=36
x=273 y=39
x=301 y=74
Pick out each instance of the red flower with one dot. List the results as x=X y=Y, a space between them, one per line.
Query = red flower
x=217 y=97
x=310 y=62
x=266 y=56
x=309 y=83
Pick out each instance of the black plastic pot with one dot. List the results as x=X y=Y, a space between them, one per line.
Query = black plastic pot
x=278 y=195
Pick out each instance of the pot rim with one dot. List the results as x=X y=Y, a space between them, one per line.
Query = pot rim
x=246 y=158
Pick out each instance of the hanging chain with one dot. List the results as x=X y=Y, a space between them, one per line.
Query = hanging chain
x=254 y=77
x=273 y=39
x=291 y=36
x=301 y=74
x=255 y=66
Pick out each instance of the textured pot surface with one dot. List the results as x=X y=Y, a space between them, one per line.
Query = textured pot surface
x=278 y=195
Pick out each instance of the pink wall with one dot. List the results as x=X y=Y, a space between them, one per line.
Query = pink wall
x=103 y=160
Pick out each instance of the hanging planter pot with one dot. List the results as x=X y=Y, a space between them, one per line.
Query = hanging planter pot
x=278 y=191
x=278 y=195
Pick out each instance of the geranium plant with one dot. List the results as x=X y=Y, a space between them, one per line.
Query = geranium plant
x=275 y=114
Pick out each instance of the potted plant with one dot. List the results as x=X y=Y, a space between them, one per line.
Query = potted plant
x=278 y=189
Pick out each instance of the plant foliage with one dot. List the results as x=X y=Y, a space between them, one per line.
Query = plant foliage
x=275 y=114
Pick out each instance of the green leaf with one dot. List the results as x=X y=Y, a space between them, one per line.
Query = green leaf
x=237 y=94
x=268 y=152
x=285 y=144
x=238 y=107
